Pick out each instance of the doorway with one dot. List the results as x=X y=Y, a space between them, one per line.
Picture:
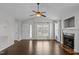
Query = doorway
x=57 y=26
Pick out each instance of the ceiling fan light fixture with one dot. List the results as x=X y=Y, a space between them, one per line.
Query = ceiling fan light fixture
x=38 y=15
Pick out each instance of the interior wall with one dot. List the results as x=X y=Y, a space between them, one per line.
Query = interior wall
x=26 y=31
x=18 y=27
x=7 y=30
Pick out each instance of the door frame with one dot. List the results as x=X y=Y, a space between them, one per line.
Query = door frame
x=59 y=31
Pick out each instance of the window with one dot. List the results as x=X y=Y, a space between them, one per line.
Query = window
x=30 y=30
x=43 y=30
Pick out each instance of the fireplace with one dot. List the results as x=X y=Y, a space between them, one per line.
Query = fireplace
x=68 y=40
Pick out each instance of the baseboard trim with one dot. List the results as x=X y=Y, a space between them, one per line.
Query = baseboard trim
x=37 y=39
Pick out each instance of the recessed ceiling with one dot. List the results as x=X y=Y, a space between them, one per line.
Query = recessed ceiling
x=23 y=10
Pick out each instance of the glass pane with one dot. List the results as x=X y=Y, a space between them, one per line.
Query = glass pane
x=43 y=30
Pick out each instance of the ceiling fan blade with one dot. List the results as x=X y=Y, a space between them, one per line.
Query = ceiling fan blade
x=43 y=15
x=34 y=11
x=32 y=15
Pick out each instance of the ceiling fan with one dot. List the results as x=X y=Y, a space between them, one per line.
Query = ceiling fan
x=38 y=13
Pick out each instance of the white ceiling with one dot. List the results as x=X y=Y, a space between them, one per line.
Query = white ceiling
x=23 y=10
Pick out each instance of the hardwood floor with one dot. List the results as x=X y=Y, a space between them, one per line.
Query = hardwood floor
x=35 y=47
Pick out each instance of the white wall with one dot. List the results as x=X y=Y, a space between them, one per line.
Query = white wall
x=7 y=30
x=33 y=21
x=18 y=29
x=26 y=31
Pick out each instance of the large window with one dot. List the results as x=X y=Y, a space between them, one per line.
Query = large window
x=43 y=30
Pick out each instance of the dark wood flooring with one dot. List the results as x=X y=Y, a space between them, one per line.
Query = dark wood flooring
x=35 y=47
